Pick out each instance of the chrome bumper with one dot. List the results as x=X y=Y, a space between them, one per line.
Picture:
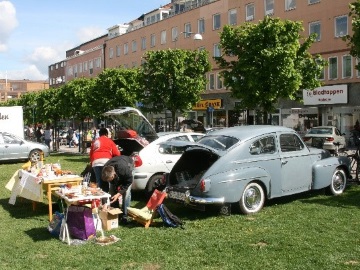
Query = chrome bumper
x=201 y=200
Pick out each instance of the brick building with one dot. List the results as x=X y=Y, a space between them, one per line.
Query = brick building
x=175 y=25
x=15 y=88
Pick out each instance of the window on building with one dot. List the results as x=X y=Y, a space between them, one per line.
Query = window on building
x=217 y=50
x=313 y=1
x=52 y=67
x=163 y=37
x=322 y=74
x=56 y=66
x=341 y=26
x=70 y=71
x=91 y=67
x=85 y=66
x=174 y=33
x=346 y=66
x=80 y=67
x=187 y=30
x=134 y=46
x=118 y=50
x=333 y=68
x=269 y=7
x=152 y=40
x=201 y=26
x=216 y=22
x=250 y=12
x=98 y=62
x=211 y=81
x=290 y=4
x=75 y=71
x=315 y=28
x=111 y=53
x=219 y=81
x=126 y=48
x=62 y=64
x=232 y=16
x=143 y=43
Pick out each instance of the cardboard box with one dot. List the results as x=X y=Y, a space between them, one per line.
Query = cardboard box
x=110 y=218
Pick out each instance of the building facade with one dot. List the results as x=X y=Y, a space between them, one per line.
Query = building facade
x=174 y=25
x=10 y=89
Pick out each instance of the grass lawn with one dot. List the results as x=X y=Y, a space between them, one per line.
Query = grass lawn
x=306 y=231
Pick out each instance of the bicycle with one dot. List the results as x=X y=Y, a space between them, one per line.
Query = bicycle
x=355 y=157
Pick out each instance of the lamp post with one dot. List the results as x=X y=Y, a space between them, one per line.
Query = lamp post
x=197 y=36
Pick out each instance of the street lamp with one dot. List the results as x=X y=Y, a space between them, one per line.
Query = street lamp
x=197 y=36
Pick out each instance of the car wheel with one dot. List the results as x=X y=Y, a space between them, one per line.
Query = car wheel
x=252 y=199
x=155 y=182
x=338 y=182
x=35 y=155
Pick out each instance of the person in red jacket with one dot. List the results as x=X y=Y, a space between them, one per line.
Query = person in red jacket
x=102 y=150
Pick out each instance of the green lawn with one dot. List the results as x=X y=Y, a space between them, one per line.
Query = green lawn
x=307 y=231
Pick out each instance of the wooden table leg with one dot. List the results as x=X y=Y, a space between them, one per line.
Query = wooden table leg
x=49 y=201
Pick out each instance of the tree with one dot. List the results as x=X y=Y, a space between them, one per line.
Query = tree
x=173 y=80
x=114 y=88
x=354 y=40
x=265 y=62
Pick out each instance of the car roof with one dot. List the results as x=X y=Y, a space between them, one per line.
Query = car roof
x=244 y=132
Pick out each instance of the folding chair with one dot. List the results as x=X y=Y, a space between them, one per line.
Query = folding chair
x=146 y=215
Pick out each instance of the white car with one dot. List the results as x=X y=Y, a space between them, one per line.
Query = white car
x=136 y=136
x=325 y=137
x=157 y=160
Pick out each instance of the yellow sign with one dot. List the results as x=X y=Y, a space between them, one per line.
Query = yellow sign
x=204 y=104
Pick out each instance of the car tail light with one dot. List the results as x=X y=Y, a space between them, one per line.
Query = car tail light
x=137 y=160
x=205 y=185
x=329 y=139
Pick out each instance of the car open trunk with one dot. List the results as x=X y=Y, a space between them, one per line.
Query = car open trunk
x=132 y=130
x=190 y=168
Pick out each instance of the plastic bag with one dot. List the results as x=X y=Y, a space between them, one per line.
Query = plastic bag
x=55 y=224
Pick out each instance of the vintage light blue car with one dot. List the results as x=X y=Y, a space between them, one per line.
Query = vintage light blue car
x=248 y=164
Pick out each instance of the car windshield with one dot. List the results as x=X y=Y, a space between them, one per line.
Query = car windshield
x=320 y=131
x=220 y=142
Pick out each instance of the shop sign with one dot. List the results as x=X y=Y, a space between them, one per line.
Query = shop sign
x=204 y=104
x=335 y=94
x=300 y=111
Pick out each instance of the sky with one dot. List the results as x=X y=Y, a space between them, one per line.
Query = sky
x=37 y=33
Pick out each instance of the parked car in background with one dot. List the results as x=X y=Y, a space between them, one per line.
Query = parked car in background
x=15 y=148
x=247 y=165
x=325 y=137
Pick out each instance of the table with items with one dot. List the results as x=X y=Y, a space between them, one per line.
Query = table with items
x=82 y=202
x=31 y=183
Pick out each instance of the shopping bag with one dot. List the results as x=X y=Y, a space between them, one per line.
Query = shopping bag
x=55 y=224
x=80 y=222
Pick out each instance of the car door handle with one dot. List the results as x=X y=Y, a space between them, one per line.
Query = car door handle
x=283 y=162
x=169 y=161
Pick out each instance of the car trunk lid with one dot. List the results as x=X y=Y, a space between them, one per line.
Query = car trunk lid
x=133 y=131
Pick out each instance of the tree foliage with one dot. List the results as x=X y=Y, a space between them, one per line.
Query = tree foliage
x=354 y=39
x=267 y=61
x=173 y=79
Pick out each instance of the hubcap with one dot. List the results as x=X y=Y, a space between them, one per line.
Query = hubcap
x=252 y=198
x=338 y=182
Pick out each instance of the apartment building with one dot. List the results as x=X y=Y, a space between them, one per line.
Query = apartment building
x=15 y=88
x=175 y=26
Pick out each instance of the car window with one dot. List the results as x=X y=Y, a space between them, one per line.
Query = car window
x=320 y=131
x=290 y=142
x=263 y=146
x=179 y=138
x=170 y=149
x=196 y=137
x=337 y=132
x=218 y=142
x=10 y=139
